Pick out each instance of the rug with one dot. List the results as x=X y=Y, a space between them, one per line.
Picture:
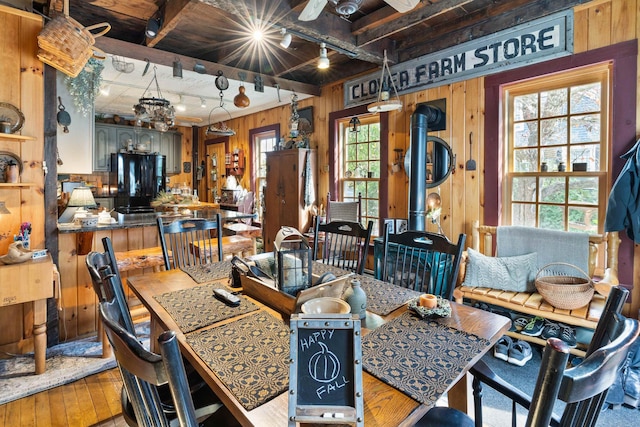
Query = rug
x=66 y=363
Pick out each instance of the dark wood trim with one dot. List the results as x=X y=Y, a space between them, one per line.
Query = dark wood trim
x=252 y=133
x=623 y=124
x=50 y=190
x=334 y=156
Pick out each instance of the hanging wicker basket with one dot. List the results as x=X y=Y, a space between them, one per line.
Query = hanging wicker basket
x=564 y=291
x=67 y=45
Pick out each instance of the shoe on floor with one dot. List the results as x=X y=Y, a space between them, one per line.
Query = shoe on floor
x=502 y=348
x=520 y=353
x=534 y=327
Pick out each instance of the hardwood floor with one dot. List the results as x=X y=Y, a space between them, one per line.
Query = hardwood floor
x=91 y=401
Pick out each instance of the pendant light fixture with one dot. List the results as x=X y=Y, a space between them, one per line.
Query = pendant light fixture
x=158 y=111
x=323 y=60
x=384 y=102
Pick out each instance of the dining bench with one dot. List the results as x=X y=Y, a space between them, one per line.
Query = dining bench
x=532 y=303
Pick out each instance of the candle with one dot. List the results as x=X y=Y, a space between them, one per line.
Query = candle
x=428 y=301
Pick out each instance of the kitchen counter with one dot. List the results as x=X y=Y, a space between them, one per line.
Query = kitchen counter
x=149 y=219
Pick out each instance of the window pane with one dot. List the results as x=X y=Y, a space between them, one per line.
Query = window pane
x=552 y=189
x=586 y=98
x=583 y=220
x=551 y=217
x=372 y=190
x=589 y=154
x=525 y=107
x=583 y=190
x=523 y=214
x=585 y=128
x=553 y=103
x=523 y=189
x=348 y=189
x=525 y=134
x=553 y=131
x=525 y=160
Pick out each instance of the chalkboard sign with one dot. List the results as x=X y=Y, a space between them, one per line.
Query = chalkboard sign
x=325 y=375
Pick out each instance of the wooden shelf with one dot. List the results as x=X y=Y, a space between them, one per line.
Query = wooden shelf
x=17 y=137
x=17 y=184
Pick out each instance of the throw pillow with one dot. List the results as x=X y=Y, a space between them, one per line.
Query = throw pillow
x=515 y=273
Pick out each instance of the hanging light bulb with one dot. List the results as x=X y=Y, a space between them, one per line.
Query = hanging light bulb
x=384 y=102
x=323 y=60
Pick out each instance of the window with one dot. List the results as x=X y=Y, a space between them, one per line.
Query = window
x=263 y=143
x=360 y=167
x=558 y=136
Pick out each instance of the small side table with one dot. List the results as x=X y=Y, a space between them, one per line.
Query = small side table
x=30 y=281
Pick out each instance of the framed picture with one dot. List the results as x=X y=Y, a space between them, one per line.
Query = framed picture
x=306 y=119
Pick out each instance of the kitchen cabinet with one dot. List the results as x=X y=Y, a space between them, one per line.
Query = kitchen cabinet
x=110 y=139
x=104 y=143
x=284 y=196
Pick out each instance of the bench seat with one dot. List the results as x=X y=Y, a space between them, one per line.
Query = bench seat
x=532 y=303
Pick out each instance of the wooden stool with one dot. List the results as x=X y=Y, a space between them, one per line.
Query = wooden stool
x=244 y=230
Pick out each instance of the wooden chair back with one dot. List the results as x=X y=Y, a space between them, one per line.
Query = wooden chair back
x=422 y=261
x=343 y=244
x=583 y=388
x=146 y=370
x=107 y=283
x=345 y=211
x=177 y=241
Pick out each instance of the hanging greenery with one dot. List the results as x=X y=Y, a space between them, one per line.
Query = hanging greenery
x=85 y=87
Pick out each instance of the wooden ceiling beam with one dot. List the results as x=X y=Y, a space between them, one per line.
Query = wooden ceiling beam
x=172 y=16
x=139 y=52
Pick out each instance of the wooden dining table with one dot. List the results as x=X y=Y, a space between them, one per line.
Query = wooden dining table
x=384 y=405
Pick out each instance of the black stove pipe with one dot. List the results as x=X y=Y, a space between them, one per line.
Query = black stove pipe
x=420 y=121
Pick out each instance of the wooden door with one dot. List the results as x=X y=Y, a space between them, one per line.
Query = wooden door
x=214 y=170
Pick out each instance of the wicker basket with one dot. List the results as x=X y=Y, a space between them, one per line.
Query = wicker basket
x=67 y=39
x=564 y=291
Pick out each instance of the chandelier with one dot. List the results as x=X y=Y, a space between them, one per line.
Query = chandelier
x=155 y=110
x=384 y=103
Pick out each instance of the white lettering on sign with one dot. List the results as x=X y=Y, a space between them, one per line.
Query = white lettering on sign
x=536 y=41
x=321 y=335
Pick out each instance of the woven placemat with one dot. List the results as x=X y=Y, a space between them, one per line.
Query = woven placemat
x=419 y=357
x=208 y=272
x=318 y=269
x=249 y=355
x=197 y=307
x=383 y=297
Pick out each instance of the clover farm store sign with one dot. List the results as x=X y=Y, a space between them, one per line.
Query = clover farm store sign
x=525 y=44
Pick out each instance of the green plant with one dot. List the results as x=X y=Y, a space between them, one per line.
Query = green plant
x=85 y=87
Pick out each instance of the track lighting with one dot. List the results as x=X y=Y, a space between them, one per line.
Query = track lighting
x=180 y=105
x=203 y=103
x=153 y=26
x=323 y=60
x=177 y=69
x=286 y=38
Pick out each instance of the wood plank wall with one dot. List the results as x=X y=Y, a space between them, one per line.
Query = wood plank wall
x=22 y=86
x=596 y=24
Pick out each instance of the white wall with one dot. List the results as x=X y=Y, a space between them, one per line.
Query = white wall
x=76 y=147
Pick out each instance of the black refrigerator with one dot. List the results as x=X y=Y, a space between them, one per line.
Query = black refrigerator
x=138 y=179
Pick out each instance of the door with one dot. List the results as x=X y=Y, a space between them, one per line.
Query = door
x=215 y=170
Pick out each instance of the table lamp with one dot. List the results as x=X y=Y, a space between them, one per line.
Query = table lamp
x=81 y=198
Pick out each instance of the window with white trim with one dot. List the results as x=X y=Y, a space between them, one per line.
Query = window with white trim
x=263 y=143
x=360 y=167
x=557 y=137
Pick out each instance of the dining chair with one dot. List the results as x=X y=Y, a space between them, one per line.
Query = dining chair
x=422 y=261
x=344 y=244
x=190 y=241
x=346 y=211
x=144 y=372
x=582 y=388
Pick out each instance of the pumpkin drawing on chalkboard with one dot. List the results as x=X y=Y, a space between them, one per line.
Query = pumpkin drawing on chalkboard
x=324 y=366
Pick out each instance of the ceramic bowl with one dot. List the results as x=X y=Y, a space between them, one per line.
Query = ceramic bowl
x=325 y=305
x=88 y=221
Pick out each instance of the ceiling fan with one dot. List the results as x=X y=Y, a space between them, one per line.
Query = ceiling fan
x=347 y=7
